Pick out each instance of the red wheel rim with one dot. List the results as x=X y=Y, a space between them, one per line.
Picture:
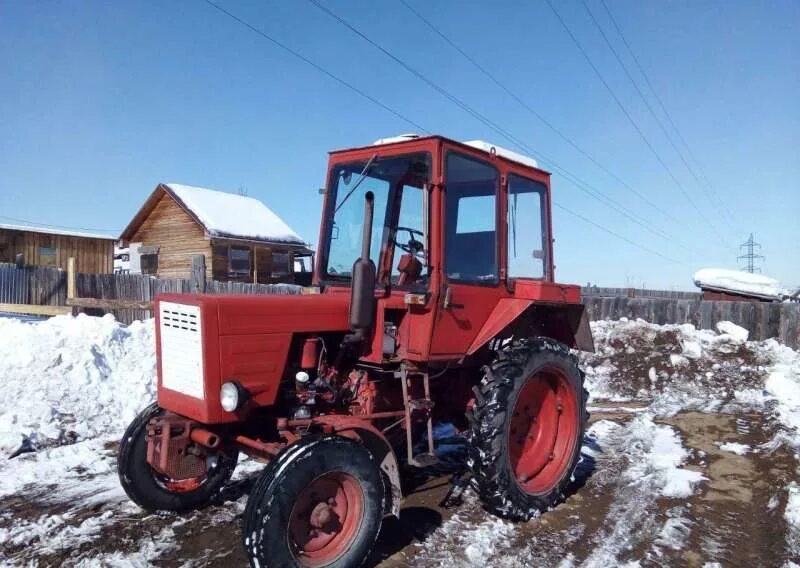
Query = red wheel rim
x=325 y=518
x=543 y=430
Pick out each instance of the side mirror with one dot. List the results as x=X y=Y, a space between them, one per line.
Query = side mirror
x=538 y=254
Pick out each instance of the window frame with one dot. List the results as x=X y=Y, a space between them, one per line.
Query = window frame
x=240 y=273
x=494 y=283
x=391 y=210
x=543 y=208
x=155 y=266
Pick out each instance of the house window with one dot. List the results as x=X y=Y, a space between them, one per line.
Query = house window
x=148 y=263
x=47 y=256
x=239 y=261
x=280 y=264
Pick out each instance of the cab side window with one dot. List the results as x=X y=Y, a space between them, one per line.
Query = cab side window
x=527 y=234
x=470 y=220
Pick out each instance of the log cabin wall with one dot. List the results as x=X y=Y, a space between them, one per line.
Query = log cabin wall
x=177 y=235
x=91 y=255
x=260 y=261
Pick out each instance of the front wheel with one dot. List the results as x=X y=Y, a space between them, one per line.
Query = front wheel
x=527 y=425
x=319 y=503
x=155 y=492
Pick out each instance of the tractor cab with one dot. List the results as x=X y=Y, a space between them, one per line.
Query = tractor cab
x=458 y=230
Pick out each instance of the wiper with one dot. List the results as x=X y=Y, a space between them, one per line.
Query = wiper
x=361 y=178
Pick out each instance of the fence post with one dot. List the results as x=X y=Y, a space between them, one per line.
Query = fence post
x=197 y=282
x=71 y=278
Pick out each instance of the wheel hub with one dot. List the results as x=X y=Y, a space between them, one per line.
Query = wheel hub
x=325 y=518
x=542 y=432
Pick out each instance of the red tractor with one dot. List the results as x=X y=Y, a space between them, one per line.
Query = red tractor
x=433 y=301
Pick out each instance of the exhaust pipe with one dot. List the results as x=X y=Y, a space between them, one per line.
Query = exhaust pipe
x=362 y=292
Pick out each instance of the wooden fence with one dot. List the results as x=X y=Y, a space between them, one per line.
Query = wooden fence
x=762 y=319
x=594 y=292
x=48 y=286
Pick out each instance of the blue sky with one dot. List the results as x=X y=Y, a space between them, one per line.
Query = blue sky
x=99 y=102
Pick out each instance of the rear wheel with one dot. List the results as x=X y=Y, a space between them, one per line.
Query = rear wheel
x=155 y=492
x=527 y=425
x=319 y=503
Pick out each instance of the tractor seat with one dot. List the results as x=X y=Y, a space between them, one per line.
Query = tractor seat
x=410 y=269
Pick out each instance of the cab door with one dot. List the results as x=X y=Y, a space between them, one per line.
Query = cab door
x=471 y=279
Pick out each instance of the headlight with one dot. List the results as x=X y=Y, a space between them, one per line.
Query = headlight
x=231 y=396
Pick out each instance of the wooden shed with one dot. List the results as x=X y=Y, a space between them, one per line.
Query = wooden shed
x=41 y=246
x=240 y=237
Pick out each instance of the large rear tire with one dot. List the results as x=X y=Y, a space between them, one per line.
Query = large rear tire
x=527 y=425
x=319 y=503
x=152 y=491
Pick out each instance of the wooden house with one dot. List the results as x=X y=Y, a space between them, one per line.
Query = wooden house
x=240 y=237
x=40 y=246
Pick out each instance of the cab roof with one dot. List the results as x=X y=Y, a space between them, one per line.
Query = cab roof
x=482 y=146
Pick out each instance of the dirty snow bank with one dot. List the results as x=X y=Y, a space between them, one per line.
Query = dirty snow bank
x=72 y=378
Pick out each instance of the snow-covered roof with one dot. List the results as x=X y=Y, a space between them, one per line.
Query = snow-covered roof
x=479 y=144
x=738 y=282
x=236 y=216
x=503 y=152
x=51 y=231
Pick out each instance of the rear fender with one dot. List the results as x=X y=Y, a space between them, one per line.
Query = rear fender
x=372 y=438
x=564 y=322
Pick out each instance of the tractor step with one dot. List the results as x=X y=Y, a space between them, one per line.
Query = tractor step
x=423 y=460
x=417 y=405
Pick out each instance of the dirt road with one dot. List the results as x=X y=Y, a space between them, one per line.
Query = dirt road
x=689 y=461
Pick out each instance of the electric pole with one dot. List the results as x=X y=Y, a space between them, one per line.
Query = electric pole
x=750 y=255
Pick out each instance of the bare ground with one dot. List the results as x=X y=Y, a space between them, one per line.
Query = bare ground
x=734 y=516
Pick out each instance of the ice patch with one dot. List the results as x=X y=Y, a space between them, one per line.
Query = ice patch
x=662 y=454
x=735 y=447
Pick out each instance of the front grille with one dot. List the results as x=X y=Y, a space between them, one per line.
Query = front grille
x=181 y=349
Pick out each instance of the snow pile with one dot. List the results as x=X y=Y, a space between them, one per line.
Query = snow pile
x=738 y=282
x=227 y=214
x=72 y=378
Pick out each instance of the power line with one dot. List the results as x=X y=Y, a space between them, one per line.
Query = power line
x=582 y=185
x=650 y=109
x=632 y=121
x=535 y=113
x=316 y=66
x=396 y=113
x=666 y=112
x=610 y=232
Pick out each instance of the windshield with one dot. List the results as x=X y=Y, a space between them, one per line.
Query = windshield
x=386 y=178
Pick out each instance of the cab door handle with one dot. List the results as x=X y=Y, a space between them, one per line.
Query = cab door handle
x=448 y=300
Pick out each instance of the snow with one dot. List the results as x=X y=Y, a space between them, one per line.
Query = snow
x=72 y=384
x=394 y=139
x=72 y=378
x=661 y=456
x=53 y=231
x=735 y=447
x=738 y=282
x=737 y=333
x=229 y=215
x=503 y=152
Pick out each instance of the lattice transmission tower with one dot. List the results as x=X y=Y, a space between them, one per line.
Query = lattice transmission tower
x=751 y=254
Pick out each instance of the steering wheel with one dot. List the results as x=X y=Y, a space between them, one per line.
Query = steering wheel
x=413 y=246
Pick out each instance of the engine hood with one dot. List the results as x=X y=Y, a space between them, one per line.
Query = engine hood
x=279 y=313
